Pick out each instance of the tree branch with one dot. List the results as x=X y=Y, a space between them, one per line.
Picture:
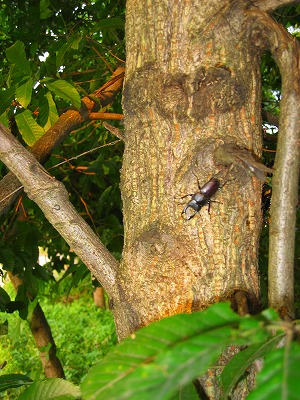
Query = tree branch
x=270 y=5
x=51 y=196
x=10 y=187
x=100 y=115
x=286 y=51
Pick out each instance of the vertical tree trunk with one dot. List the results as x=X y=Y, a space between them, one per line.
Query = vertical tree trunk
x=192 y=88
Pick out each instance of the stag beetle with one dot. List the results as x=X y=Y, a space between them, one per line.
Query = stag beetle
x=199 y=199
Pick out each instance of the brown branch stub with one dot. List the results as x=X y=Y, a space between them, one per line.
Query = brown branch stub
x=270 y=118
x=232 y=154
x=102 y=115
x=239 y=302
x=115 y=131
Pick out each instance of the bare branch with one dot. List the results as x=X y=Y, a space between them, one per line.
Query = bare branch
x=270 y=118
x=10 y=187
x=101 y=116
x=115 y=131
x=286 y=51
x=51 y=196
x=270 y=5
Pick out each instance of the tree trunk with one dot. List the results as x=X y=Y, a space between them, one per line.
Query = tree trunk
x=43 y=338
x=192 y=91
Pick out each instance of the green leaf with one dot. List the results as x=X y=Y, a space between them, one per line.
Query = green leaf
x=72 y=43
x=4 y=328
x=7 y=258
x=110 y=23
x=163 y=357
x=22 y=296
x=51 y=389
x=9 y=381
x=23 y=92
x=64 y=90
x=16 y=55
x=280 y=377
x=6 y=98
x=53 y=114
x=4 y=299
x=188 y=392
x=12 y=306
x=45 y=12
x=237 y=366
x=30 y=130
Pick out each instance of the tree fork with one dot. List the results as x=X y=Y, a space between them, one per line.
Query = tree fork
x=10 y=186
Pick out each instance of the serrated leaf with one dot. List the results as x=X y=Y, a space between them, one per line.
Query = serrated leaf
x=237 y=366
x=16 y=55
x=30 y=130
x=161 y=358
x=280 y=377
x=53 y=114
x=24 y=92
x=9 y=381
x=6 y=98
x=64 y=90
x=51 y=389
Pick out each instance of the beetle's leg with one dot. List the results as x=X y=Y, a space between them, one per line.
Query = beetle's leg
x=186 y=196
x=198 y=183
x=208 y=208
x=212 y=201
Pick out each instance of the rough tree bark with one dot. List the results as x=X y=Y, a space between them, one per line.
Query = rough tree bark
x=192 y=89
x=192 y=108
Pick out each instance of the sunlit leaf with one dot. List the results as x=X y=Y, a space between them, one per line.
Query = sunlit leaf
x=51 y=389
x=163 y=357
x=237 y=366
x=30 y=130
x=63 y=89
x=280 y=377
x=23 y=92
x=16 y=55
x=52 y=112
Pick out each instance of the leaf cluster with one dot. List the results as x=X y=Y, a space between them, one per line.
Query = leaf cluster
x=166 y=359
